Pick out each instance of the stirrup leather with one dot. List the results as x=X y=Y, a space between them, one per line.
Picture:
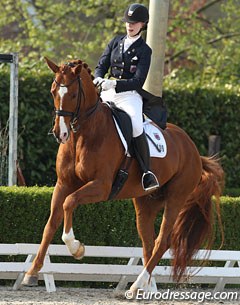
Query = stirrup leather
x=152 y=183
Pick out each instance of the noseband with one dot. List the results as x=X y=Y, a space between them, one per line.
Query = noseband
x=76 y=114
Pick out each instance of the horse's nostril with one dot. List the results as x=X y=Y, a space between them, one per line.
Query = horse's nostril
x=65 y=134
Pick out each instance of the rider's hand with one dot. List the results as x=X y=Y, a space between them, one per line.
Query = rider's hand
x=108 y=84
x=98 y=81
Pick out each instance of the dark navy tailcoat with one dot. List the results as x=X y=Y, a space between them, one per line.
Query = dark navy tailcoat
x=130 y=68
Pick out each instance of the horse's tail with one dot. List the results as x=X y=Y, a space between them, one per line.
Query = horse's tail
x=194 y=224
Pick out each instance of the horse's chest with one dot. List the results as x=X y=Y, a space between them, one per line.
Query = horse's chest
x=77 y=163
x=84 y=166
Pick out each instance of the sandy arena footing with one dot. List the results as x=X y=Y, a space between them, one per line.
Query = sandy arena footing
x=85 y=296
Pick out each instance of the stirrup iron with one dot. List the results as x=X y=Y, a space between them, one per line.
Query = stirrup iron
x=151 y=182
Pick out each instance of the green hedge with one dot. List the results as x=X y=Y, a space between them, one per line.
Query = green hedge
x=24 y=212
x=232 y=192
x=200 y=111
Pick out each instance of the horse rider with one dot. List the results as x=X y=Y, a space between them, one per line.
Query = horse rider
x=127 y=60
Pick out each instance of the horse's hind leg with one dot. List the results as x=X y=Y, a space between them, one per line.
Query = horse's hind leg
x=161 y=244
x=146 y=211
x=175 y=199
x=54 y=221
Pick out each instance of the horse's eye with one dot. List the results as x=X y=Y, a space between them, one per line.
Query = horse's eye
x=74 y=95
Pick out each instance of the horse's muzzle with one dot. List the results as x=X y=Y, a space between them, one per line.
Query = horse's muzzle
x=61 y=137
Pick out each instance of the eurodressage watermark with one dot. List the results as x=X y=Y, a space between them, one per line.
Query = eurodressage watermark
x=172 y=295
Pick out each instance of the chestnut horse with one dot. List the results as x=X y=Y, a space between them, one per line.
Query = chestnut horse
x=89 y=157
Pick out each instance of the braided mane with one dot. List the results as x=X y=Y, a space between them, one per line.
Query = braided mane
x=75 y=62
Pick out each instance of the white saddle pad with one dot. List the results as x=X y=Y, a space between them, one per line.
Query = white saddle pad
x=158 y=148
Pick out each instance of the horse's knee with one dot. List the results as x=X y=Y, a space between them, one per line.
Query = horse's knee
x=68 y=205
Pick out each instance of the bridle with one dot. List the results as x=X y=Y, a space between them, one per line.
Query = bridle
x=75 y=116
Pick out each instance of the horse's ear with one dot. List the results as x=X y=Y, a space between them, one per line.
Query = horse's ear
x=77 y=69
x=52 y=65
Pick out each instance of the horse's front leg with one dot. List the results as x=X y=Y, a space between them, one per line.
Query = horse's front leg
x=93 y=191
x=54 y=221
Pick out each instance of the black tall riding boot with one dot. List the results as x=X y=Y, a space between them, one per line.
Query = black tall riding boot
x=142 y=154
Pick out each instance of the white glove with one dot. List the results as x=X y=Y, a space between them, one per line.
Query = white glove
x=108 y=84
x=97 y=81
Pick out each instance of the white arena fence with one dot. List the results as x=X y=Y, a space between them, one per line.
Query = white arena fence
x=122 y=274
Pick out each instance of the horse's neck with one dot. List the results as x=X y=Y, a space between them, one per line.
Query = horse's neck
x=92 y=144
x=94 y=128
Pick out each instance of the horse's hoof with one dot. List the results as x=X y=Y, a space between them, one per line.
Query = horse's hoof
x=30 y=280
x=80 y=252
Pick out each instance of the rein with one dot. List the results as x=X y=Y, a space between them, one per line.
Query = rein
x=76 y=114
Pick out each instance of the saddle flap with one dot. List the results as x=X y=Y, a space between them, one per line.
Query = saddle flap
x=124 y=122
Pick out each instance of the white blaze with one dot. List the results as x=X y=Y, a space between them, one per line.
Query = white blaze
x=61 y=92
x=62 y=125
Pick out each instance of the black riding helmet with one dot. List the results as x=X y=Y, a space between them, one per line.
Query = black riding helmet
x=136 y=13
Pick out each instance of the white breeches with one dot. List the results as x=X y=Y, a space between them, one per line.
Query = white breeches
x=129 y=101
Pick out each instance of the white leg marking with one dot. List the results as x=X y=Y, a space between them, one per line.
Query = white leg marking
x=142 y=282
x=152 y=285
x=70 y=241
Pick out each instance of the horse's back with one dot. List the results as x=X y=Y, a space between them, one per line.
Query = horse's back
x=177 y=139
